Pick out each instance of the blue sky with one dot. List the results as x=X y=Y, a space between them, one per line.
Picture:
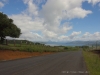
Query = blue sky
x=55 y=20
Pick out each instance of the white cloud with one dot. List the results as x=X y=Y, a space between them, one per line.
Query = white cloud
x=74 y=34
x=1 y=4
x=32 y=36
x=54 y=11
x=88 y=36
x=64 y=28
x=96 y=34
x=63 y=38
x=27 y=23
x=85 y=37
x=32 y=8
x=47 y=20
x=49 y=34
x=94 y=2
x=77 y=13
x=99 y=4
x=29 y=36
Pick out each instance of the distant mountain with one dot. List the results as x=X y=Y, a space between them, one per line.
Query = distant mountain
x=73 y=43
x=51 y=43
x=84 y=42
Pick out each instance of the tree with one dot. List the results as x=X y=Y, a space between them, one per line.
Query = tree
x=7 y=28
x=66 y=48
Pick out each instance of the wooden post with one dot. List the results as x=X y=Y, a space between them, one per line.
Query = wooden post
x=14 y=42
x=6 y=42
x=96 y=45
x=20 y=43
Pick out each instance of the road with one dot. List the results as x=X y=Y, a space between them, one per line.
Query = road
x=64 y=63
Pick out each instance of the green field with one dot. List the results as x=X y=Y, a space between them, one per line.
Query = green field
x=30 y=48
x=24 y=45
x=93 y=62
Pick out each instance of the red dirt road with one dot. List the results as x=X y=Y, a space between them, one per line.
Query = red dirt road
x=10 y=55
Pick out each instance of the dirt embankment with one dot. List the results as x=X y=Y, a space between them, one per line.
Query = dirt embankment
x=10 y=55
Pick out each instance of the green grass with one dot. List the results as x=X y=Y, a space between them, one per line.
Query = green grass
x=31 y=48
x=70 y=48
x=35 y=47
x=93 y=62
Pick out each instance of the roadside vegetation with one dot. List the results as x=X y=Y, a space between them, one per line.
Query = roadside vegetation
x=92 y=61
x=24 y=45
x=70 y=48
x=28 y=46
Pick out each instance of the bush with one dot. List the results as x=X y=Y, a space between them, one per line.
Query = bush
x=66 y=48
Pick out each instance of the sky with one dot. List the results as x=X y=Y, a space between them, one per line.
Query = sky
x=55 y=20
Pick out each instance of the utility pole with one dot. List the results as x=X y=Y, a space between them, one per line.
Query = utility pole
x=92 y=46
x=96 y=45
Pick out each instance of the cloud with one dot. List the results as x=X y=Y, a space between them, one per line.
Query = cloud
x=85 y=37
x=77 y=13
x=1 y=4
x=44 y=23
x=32 y=36
x=32 y=8
x=74 y=35
x=88 y=36
x=49 y=34
x=27 y=23
x=29 y=36
x=63 y=38
x=53 y=12
x=94 y=2
x=66 y=9
x=99 y=4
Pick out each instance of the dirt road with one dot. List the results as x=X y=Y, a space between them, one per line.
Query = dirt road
x=64 y=63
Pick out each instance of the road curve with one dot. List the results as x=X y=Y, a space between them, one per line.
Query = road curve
x=64 y=63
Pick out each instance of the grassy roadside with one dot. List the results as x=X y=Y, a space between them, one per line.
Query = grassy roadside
x=11 y=51
x=37 y=48
x=70 y=48
x=93 y=62
x=31 y=48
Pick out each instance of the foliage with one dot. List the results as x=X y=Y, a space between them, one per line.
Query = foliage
x=8 y=28
x=85 y=48
x=70 y=48
x=66 y=48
